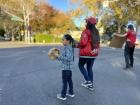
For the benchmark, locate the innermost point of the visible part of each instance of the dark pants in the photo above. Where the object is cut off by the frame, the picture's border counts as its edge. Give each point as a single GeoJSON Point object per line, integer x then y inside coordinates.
{"type": "Point", "coordinates": [128, 54]}
{"type": "Point", "coordinates": [87, 73]}
{"type": "Point", "coordinates": [67, 80]}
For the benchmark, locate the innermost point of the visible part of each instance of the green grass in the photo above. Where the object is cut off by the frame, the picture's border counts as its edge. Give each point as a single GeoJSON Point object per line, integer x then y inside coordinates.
{"type": "Point", "coordinates": [43, 38]}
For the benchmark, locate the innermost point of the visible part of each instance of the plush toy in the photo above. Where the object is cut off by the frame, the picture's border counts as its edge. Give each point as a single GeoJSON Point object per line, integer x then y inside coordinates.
{"type": "Point", "coordinates": [53, 53]}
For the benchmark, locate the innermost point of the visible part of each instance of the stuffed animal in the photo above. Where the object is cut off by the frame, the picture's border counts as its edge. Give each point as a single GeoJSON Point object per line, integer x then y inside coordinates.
{"type": "Point", "coordinates": [53, 53]}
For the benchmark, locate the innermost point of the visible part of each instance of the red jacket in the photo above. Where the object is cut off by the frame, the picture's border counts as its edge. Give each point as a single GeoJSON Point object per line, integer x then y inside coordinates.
{"type": "Point", "coordinates": [131, 35]}
{"type": "Point", "coordinates": [85, 45]}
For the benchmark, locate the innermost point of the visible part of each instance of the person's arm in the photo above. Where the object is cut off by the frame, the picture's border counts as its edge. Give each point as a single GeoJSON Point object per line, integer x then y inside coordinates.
{"type": "Point", "coordinates": [120, 35]}
{"type": "Point", "coordinates": [84, 40]}
{"type": "Point", "coordinates": [66, 56]}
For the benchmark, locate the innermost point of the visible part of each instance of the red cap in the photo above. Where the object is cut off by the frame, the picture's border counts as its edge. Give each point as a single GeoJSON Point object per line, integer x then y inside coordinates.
{"type": "Point", "coordinates": [91, 20]}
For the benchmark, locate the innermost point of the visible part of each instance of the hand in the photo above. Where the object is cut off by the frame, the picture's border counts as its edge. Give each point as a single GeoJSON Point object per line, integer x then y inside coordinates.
{"type": "Point", "coordinates": [76, 43]}
{"type": "Point", "coordinates": [94, 51]}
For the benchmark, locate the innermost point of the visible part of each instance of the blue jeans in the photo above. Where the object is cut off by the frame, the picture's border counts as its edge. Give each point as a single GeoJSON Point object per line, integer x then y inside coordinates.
{"type": "Point", "coordinates": [87, 72]}
{"type": "Point", "coordinates": [67, 80]}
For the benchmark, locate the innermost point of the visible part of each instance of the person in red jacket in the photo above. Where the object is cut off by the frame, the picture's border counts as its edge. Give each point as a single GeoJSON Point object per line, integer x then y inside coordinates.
{"type": "Point", "coordinates": [129, 46]}
{"type": "Point", "coordinates": [88, 51]}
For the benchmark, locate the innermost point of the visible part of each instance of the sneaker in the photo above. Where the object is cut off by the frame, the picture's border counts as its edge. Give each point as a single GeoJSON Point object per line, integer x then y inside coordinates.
{"type": "Point", "coordinates": [59, 96]}
{"type": "Point", "coordinates": [86, 83]}
{"type": "Point", "coordinates": [91, 87]}
{"type": "Point", "coordinates": [70, 95]}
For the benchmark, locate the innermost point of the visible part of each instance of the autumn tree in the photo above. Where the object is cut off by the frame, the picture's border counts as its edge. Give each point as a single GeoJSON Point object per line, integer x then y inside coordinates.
{"type": "Point", "coordinates": [8, 25]}
{"type": "Point", "coordinates": [19, 9]}
{"type": "Point", "coordinates": [46, 18]}
{"type": "Point", "coordinates": [87, 7]}
{"type": "Point", "coordinates": [133, 9]}
{"type": "Point", "coordinates": [41, 17]}
{"type": "Point", "coordinates": [124, 11]}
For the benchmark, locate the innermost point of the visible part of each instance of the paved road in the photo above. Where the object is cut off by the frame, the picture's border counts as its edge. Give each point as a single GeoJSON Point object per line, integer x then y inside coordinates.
{"type": "Point", "coordinates": [27, 77]}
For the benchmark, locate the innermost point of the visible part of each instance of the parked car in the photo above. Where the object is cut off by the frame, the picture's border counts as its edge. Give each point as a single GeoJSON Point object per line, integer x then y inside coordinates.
{"type": "Point", "coordinates": [7, 38]}
{"type": "Point", "coordinates": [2, 38]}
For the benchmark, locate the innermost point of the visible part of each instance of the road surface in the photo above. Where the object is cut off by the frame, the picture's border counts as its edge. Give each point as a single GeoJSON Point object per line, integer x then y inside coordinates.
{"type": "Point", "coordinates": [28, 77]}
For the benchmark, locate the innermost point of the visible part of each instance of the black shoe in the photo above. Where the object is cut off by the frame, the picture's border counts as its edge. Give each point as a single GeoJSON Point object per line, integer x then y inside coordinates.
{"type": "Point", "coordinates": [86, 83]}
{"type": "Point", "coordinates": [131, 66]}
{"type": "Point", "coordinates": [91, 87]}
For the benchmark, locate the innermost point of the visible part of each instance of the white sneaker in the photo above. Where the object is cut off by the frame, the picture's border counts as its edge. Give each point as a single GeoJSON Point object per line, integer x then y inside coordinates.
{"type": "Point", "coordinates": [70, 95]}
{"type": "Point", "coordinates": [86, 83]}
{"type": "Point", "coordinates": [59, 96]}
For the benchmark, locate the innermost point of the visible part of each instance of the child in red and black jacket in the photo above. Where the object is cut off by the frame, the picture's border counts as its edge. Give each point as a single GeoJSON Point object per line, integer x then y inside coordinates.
{"type": "Point", "coordinates": [129, 46]}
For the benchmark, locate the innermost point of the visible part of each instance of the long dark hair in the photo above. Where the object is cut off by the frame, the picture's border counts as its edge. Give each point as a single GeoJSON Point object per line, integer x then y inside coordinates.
{"type": "Point", "coordinates": [94, 33]}
{"type": "Point", "coordinates": [70, 39]}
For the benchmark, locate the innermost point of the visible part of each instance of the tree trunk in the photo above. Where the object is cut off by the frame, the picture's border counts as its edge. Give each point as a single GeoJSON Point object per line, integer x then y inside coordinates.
{"type": "Point", "coordinates": [25, 25]}
{"type": "Point", "coordinates": [119, 28]}
{"type": "Point", "coordinates": [13, 38]}
{"type": "Point", "coordinates": [28, 28]}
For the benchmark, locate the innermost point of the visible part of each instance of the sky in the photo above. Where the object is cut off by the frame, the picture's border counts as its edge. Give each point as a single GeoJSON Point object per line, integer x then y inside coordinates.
{"type": "Point", "coordinates": [59, 4]}
{"type": "Point", "coordinates": [64, 6]}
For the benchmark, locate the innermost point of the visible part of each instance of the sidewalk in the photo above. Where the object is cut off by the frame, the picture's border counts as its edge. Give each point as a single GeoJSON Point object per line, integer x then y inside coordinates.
{"type": "Point", "coordinates": [10, 44]}
{"type": "Point", "coordinates": [7, 44]}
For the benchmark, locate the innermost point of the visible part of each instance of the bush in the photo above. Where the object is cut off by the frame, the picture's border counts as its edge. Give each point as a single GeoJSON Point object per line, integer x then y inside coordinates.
{"type": "Point", "coordinates": [43, 38]}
